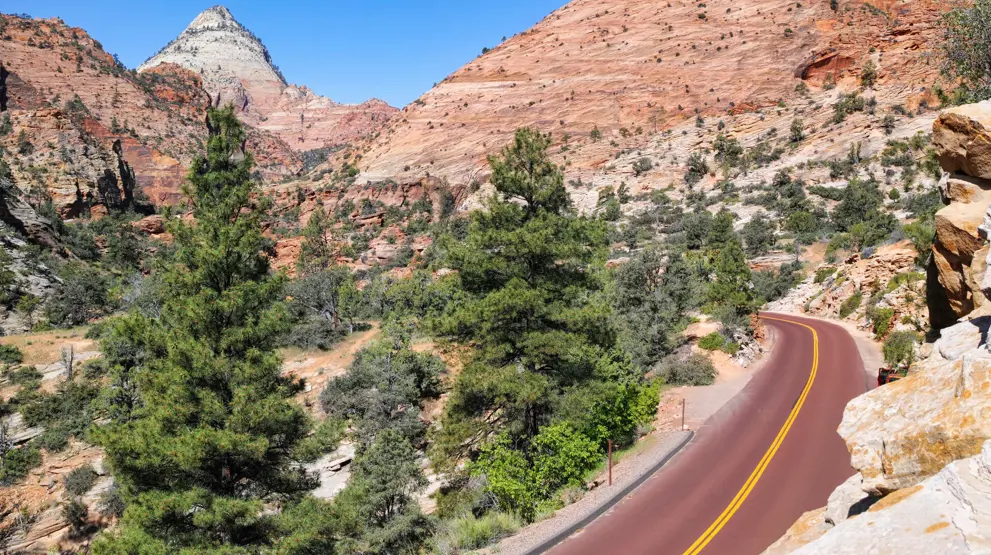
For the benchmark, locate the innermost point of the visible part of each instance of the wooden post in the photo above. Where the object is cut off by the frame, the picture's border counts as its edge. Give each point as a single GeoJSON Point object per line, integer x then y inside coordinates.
{"type": "Point", "coordinates": [610, 462]}
{"type": "Point", "coordinates": [682, 414]}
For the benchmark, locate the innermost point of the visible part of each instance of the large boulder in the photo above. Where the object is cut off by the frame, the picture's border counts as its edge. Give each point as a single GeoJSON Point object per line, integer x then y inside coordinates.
{"type": "Point", "coordinates": [957, 242]}
{"type": "Point", "coordinates": [947, 513]}
{"type": "Point", "coordinates": [907, 431]}
{"type": "Point", "coordinates": [962, 137]}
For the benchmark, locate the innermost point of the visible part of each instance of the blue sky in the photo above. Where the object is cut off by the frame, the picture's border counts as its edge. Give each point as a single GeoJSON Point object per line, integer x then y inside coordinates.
{"type": "Point", "coordinates": [348, 50]}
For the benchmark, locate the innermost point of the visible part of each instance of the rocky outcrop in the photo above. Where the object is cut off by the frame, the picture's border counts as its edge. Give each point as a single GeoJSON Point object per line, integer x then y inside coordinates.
{"type": "Point", "coordinates": [947, 513]}
{"type": "Point", "coordinates": [905, 432]}
{"type": "Point", "coordinates": [963, 145]}
{"type": "Point", "coordinates": [237, 68]}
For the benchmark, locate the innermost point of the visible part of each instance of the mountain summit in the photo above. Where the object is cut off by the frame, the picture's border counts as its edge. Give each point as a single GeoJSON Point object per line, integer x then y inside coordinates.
{"type": "Point", "coordinates": [231, 59]}
{"type": "Point", "coordinates": [236, 67]}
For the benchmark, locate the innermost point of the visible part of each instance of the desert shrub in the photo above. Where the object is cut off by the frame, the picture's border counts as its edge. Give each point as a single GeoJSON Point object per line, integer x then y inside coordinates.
{"type": "Point", "coordinates": [77, 515]}
{"type": "Point", "coordinates": [712, 342]}
{"type": "Point", "coordinates": [881, 320]}
{"type": "Point", "coordinates": [112, 502]}
{"type": "Point", "coordinates": [83, 294]}
{"type": "Point", "coordinates": [695, 370]}
{"type": "Point", "coordinates": [16, 463]}
{"type": "Point", "coordinates": [642, 166]}
{"type": "Point", "coordinates": [850, 305]}
{"type": "Point", "coordinates": [470, 532]}
{"type": "Point", "coordinates": [24, 375]}
{"type": "Point", "coordinates": [822, 274]}
{"type": "Point", "coordinates": [731, 348]}
{"type": "Point", "coordinates": [10, 354]}
{"type": "Point", "coordinates": [80, 480]}
{"type": "Point", "coordinates": [696, 169]}
{"type": "Point", "coordinates": [899, 348]}
{"type": "Point", "coordinates": [771, 285]}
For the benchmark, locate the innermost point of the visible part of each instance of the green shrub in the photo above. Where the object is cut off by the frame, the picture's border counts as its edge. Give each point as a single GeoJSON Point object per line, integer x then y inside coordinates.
{"type": "Point", "coordinates": [470, 532]}
{"type": "Point", "coordinates": [850, 305]}
{"type": "Point", "coordinates": [899, 348]}
{"type": "Point", "coordinates": [824, 273]}
{"type": "Point", "coordinates": [24, 375]}
{"type": "Point", "coordinates": [16, 463]}
{"type": "Point", "coordinates": [906, 277]}
{"type": "Point", "coordinates": [731, 348]}
{"type": "Point", "coordinates": [881, 320]}
{"type": "Point", "coordinates": [695, 370]}
{"type": "Point", "coordinates": [712, 342]}
{"type": "Point", "coordinates": [10, 354]}
{"type": "Point", "coordinates": [77, 515]}
{"type": "Point", "coordinates": [112, 503]}
{"type": "Point", "coordinates": [80, 480]}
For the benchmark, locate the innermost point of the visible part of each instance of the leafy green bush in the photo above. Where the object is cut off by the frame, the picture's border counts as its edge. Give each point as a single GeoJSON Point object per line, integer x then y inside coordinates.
{"type": "Point", "coordinates": [697, 369]}
{"type": "Point", "coordinates": [521, 482]}
{"type": "Point", "coordinates": [899, 348]}
{"type": "Point", "coordinates": [850, 305]}
{"type": "Point", "coordinates": [10, 354]}
{"type": "Point", "coordinates": [80, 480]}
{"type": "Point", "coordinates": [712, 342]}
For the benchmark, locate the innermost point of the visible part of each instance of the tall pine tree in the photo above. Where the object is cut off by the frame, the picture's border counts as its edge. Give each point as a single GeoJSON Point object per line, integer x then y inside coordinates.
{"type": "Point", "coordinates": [204, 442]}
{"type": "Point", "coordinates": [531, 274]}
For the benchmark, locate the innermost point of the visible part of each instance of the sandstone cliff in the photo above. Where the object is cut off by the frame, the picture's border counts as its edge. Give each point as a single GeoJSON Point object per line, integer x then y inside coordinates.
{"type": "Point", "coordinates": [627, 71]}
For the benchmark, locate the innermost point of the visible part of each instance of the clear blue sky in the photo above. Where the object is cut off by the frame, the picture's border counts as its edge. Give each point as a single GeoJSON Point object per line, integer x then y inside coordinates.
{"type": "Point", "coordinates": [348, 50]}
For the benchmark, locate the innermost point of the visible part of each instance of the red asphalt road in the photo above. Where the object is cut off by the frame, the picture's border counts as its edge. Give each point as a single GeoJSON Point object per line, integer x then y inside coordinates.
{"type": "Point", "coordinates": [674, 508]}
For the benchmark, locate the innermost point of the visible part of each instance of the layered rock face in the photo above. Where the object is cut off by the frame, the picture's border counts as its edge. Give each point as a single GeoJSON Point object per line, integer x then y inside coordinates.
{"type": "Point", "coordinates": [626, 70]}
{"type": "Point", "coordinates": [962, 136]}
{"type": "Point", "coordinates": [68, 102]}
{"type": "Point", "coordinates": [236, 67]}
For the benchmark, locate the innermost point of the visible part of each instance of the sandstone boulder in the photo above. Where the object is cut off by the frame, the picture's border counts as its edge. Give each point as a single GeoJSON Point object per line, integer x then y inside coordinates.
{"type": "Point", "coordinates": [900, 434]}
{"type": "Point", "coordinates": [151, 225]}
{"type": "Point", "coordinates": [962, 137]}
{"type": "Point", "coordinates": [957, 242]}
{"type": "Point", "coordinates": [964, 189]}
{"type": "Point", "coordinates": [947, 513]}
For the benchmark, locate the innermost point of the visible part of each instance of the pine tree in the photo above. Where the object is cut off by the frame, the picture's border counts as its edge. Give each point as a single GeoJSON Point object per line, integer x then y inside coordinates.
{"type": "Point", "coordinates": [208, 442]}
{"type": "Point", "coordinates": [316, 250]}
{"type": "Point", "coordinates": [533, 306]}
{"type": "Point", "coordinates": [731, 293]}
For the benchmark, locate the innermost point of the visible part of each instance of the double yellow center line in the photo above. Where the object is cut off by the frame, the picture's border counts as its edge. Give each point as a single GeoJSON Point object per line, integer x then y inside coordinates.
{"type": "Point", "coordinates": [755, 476]}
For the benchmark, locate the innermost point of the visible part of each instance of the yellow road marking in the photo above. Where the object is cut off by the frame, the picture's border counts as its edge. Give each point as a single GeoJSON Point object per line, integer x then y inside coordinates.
{"type": "Point", "coordinates": [755, 476]}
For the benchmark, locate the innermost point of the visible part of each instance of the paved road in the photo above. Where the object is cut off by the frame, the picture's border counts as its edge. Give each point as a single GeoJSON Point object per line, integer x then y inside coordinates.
{"type": "Point", "coordinates": [768, 456]}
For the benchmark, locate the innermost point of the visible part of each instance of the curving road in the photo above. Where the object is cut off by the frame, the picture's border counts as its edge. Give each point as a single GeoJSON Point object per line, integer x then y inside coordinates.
{"type": "Point", "coordinates": [771, 454]}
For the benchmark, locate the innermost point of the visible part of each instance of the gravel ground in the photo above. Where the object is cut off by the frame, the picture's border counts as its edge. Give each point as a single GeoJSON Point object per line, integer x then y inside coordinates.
{"type": "Point", "coordinates": [632, 467]}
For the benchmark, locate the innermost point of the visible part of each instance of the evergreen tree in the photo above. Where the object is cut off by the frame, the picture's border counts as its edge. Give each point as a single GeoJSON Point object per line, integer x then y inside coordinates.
{"type": "Point", "coordinates": [378, 510]}
{"type": "Point", "coordinates": [317, 249]}
{"type": "Point", "coordinates": [759, 235]}
{"type": "Point", "coordinates": [208, 442]}
{"type": "Point", "coordinates": [534, 305]}
{"type": "Point", "coordinates": [731, 293]}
